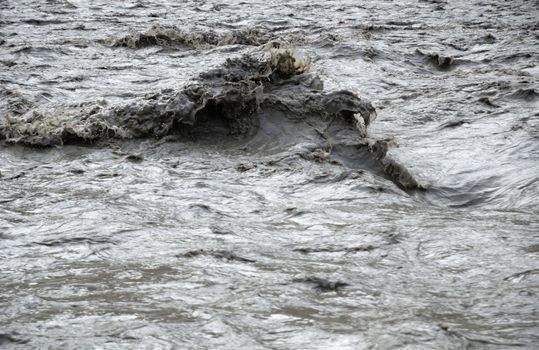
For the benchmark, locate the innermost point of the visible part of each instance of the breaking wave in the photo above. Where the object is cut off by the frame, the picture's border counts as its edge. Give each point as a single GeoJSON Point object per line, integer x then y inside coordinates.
{"type": "Point", "coordinates": [194, 38]}
{"type": "Point", "coordinates": [265, 99]}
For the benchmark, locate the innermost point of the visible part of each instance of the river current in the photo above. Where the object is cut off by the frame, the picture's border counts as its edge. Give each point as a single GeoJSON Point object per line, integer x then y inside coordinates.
{"type": "Point", "coordinates": [269, 174]}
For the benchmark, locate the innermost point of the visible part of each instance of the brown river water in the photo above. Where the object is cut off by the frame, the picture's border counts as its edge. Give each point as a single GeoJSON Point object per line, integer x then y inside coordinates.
{"type": "Point", "coordinates": [269, 174]}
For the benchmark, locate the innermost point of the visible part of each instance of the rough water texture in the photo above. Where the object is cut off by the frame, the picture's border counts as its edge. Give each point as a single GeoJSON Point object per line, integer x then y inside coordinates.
{"type": "Point", "coordinates": [202, 175]}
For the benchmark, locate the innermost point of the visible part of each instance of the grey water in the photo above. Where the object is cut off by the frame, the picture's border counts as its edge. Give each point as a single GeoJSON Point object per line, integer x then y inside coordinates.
{"type": "Point", "coordinates": [124, 224]}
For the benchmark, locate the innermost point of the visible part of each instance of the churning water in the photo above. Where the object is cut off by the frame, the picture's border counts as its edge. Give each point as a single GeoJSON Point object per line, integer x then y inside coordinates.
{"type": "Point", "coordinates": [269, 174]}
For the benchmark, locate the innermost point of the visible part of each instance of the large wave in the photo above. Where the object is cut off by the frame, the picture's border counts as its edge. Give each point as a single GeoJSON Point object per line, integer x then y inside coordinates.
{"type": "Point", "coordinates": [265, 100]}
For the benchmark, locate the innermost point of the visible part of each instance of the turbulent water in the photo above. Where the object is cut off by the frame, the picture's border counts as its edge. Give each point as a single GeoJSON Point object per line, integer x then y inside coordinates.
{"type": "Point", "coordinates": [269, 174]}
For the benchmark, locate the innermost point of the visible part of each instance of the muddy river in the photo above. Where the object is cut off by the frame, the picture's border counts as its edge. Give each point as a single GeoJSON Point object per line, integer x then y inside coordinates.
{"type": "Point", "coordinates": [269, 174]}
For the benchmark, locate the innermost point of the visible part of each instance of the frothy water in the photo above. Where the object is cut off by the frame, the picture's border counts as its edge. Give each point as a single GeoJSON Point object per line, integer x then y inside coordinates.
{"type": "Point", "coordinates": [280, 175]}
